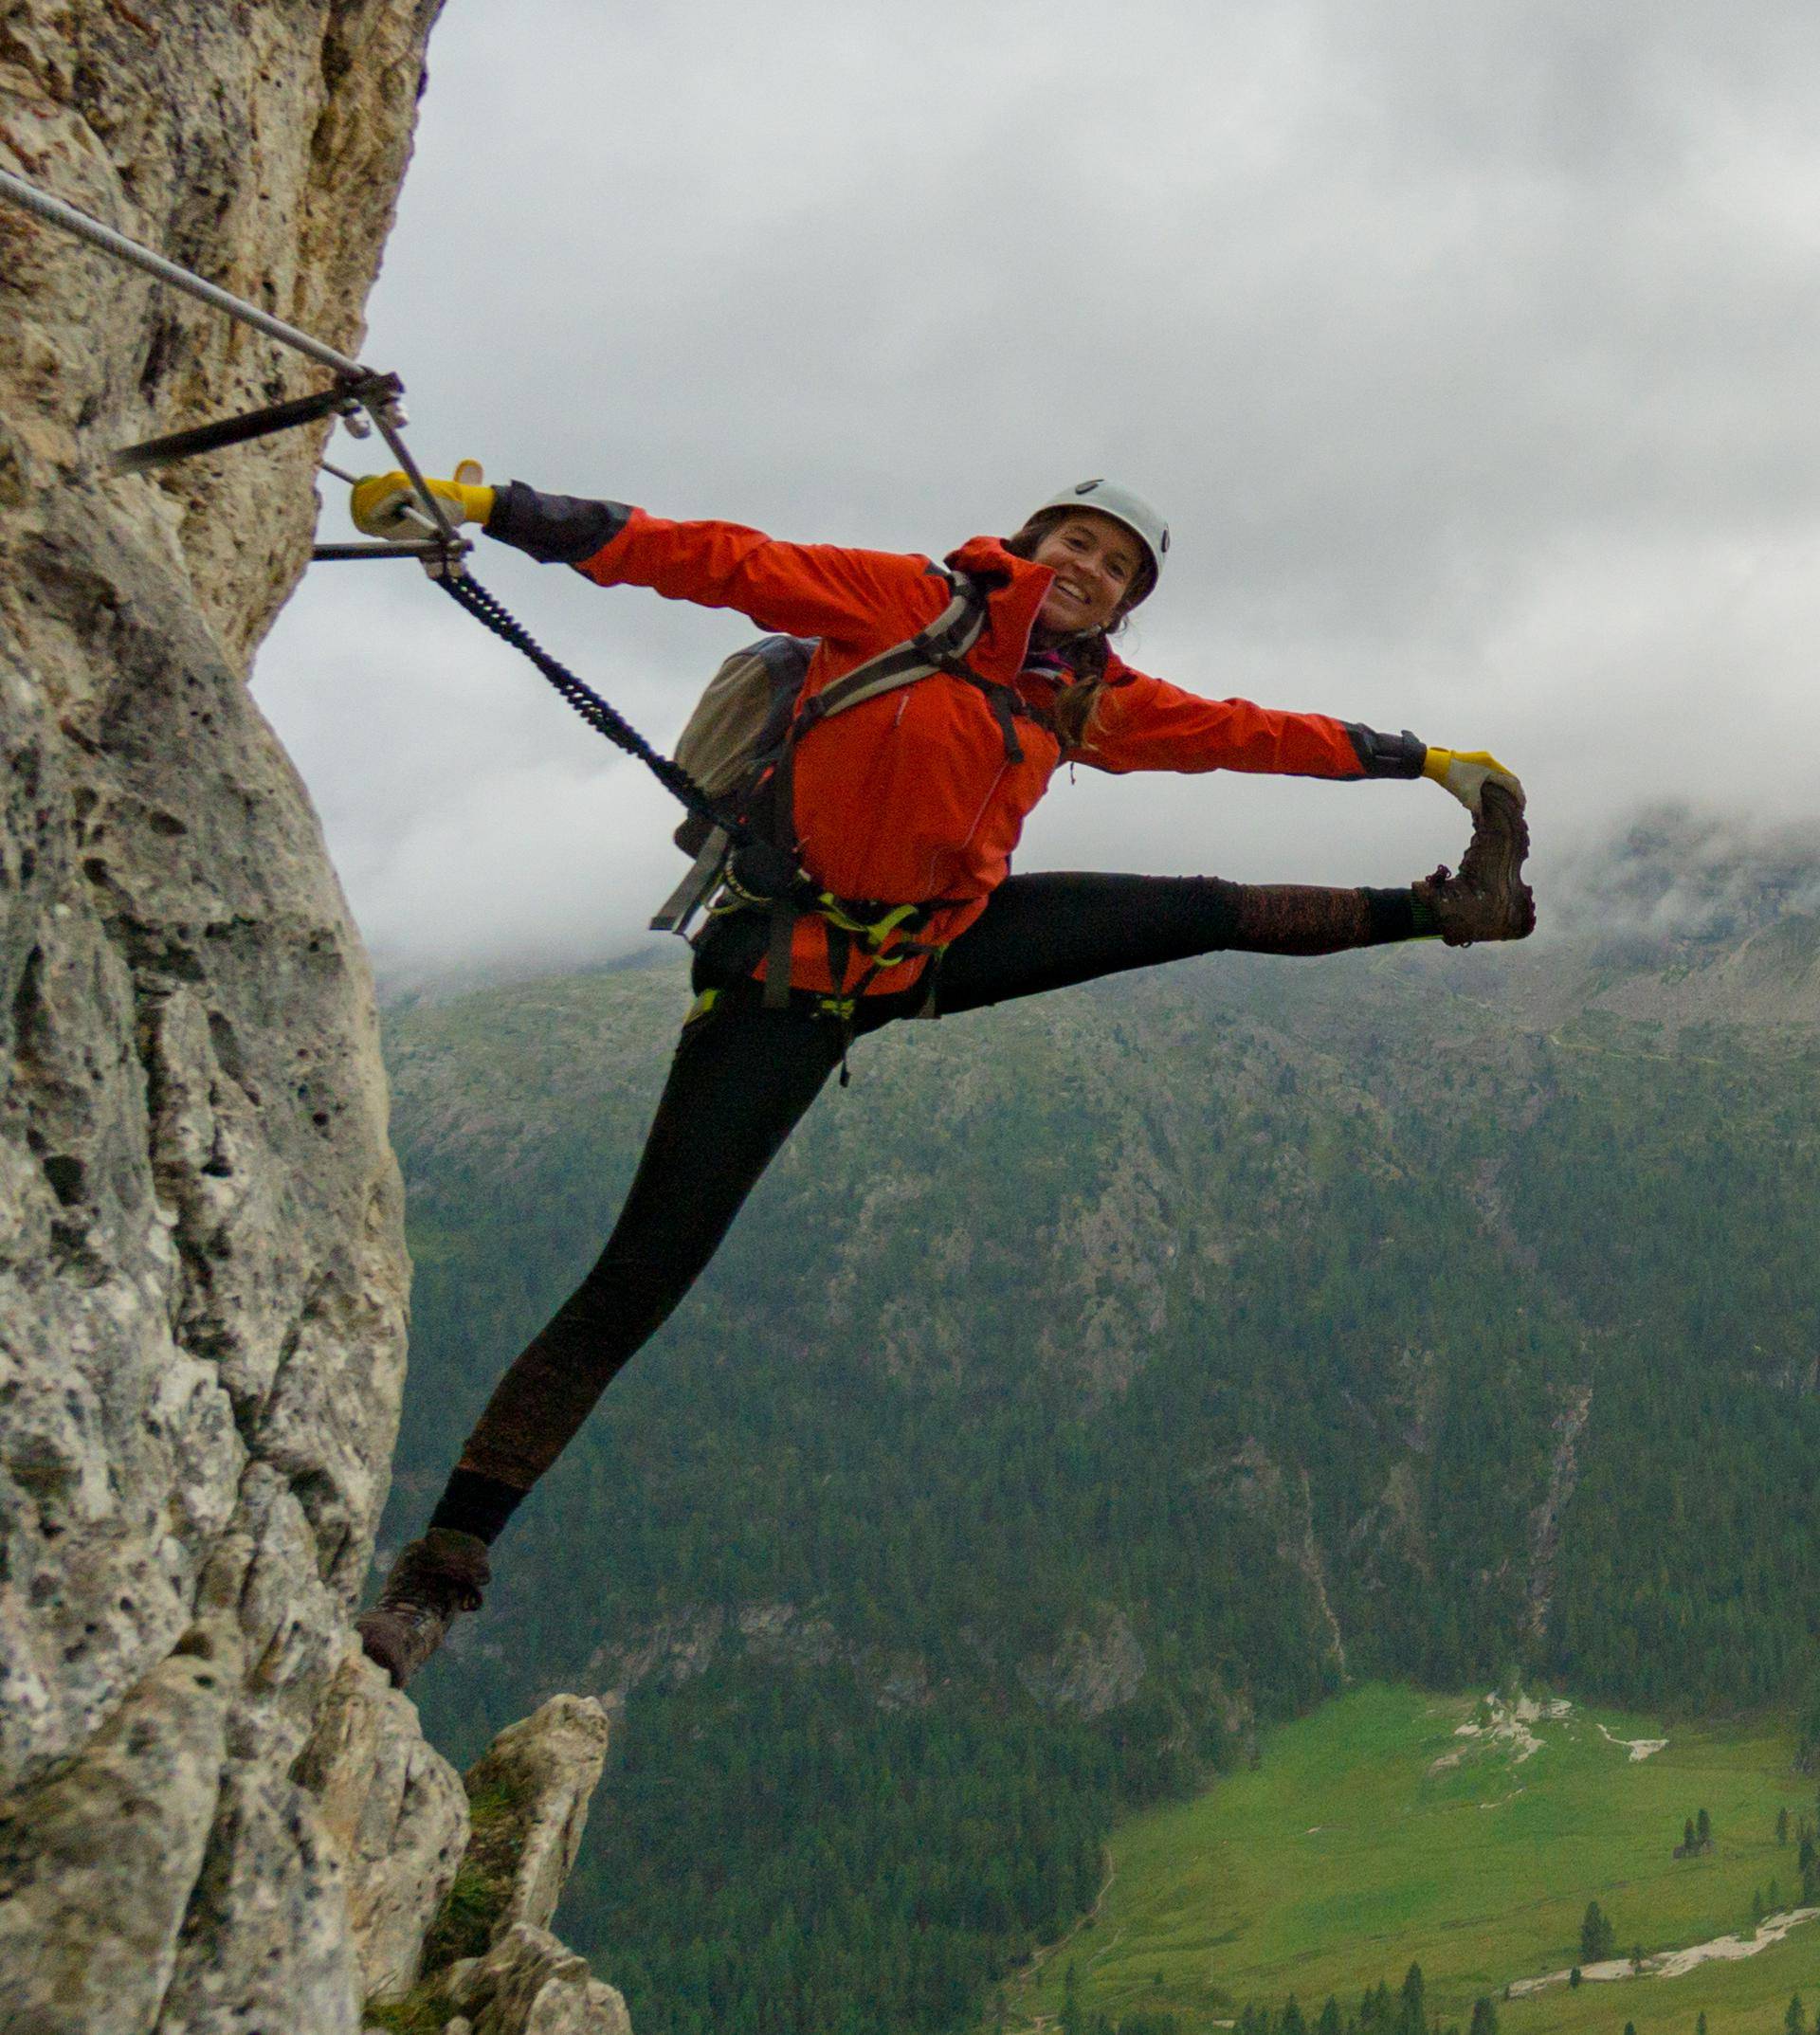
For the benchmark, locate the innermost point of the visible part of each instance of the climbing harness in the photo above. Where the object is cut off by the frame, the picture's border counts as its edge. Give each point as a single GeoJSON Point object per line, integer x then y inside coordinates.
{"type": "Point", "coordinates": [737, 825]}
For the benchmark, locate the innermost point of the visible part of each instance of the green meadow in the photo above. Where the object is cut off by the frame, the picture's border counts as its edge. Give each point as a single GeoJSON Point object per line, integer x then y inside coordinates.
{"type": "Point", "coordinates": [1372, 1833]}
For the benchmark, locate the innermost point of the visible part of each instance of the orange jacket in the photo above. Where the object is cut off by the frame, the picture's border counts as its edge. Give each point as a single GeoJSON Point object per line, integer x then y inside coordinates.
{"type": "Point", "coordinates": [911, 796]}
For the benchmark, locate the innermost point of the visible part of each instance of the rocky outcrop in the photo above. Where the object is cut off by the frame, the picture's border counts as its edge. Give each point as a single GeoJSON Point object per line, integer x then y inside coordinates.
{"type": "Point", "coordinates": [670, 1652]}
{"type": "Point", "coordinates": [1545, 1521]}
{"type": "Point", "coordinates": [1121, 1247]}
{"type": "Point", "coordinates": [528, 1982]}
{"type": "Point", "coordinates": [211, 1816]}
{"type": "Point", "coordinates": [1258, 1482]}
{"type": "Point", "coordinates": [490, 1960]}
{"type": "Point", "coordinates": [678, 1647]}
{"type": "Point", "coordinates": [1091, 1671]}
{"type": "Point", "coordinates": [530, 1793]}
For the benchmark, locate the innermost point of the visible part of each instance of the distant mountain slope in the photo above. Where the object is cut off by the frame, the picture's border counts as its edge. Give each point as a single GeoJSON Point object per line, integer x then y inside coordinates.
{"type": "Point", "coordinates": [1101, 1372]}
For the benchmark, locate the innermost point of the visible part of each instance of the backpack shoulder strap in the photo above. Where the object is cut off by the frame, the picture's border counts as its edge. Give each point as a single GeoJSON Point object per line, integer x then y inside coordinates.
{"type": "Point", "coordinates": [940, 647]}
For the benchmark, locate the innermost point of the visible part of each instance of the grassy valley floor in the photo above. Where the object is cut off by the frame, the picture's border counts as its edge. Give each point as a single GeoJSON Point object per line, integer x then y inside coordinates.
{"type": "Point", "coordinates": [1377, 1832]}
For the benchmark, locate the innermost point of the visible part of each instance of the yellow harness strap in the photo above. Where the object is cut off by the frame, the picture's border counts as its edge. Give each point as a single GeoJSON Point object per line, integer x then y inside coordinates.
{"type": "Point", "coordinates": [876, 933]}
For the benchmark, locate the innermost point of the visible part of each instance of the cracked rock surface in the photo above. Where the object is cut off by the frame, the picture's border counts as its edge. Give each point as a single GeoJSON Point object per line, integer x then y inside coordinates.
{"type": "Point", "coordinates": [528, 1982]}
{"type": "Point", "coordinates": [210, 1814]}
{"type": "Point", "coordinates": [398, 1812]}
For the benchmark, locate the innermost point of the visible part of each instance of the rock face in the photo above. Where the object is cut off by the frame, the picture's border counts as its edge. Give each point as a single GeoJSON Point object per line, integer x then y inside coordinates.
{"type": "Point", "coordinates": [396, 1810]}
{"type": "Point", "coordinates": [124, 1833]}
{"type": "Point", "coordinates": [209, 1817]}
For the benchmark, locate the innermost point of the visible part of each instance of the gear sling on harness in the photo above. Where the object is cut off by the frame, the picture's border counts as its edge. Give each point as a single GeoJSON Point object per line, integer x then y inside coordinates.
{"type": "Point", "coordinates": [733, 765]}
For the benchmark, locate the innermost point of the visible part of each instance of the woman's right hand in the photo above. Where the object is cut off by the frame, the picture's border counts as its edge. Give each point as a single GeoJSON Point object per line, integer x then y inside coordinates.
{"type": "Point", "coordinates": [1465, 772]}
{"type": "Point", "coordinates": [382, 503]}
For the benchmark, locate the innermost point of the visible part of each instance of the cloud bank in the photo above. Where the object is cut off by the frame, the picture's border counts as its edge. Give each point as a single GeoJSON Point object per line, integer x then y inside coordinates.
{"type": "Point", "coordinates": [1469, 353]}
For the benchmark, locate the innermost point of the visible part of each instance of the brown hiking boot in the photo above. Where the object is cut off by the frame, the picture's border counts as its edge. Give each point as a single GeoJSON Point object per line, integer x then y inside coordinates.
{"type": "Point", "coordinates": [431, 1581]}
{"type": "Point", "coordinates": [1488, 899]}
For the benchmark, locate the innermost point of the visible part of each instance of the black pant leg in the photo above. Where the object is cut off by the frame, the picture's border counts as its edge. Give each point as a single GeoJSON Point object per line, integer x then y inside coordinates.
{"type": "Point", "coordinates": [739, 1084]}
{"type": "Point", "coordinates": [1049, 931]}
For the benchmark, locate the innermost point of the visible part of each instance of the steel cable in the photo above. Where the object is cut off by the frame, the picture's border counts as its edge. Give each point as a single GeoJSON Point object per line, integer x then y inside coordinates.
{"type": "Point", "coordinates": [486, 608]}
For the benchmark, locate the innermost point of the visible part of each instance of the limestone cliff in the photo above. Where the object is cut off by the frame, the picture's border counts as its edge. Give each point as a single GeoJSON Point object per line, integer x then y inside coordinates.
{"type": "Point", "coordinates": [211, 1815]}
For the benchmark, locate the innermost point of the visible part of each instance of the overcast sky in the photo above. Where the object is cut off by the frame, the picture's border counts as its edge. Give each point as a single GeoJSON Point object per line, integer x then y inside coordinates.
{"type": "Point", "coordinates": [1472, 352]}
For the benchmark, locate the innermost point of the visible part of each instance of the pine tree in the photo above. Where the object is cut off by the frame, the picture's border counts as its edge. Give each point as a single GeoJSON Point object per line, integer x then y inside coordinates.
{"type": "Point", "coordinates": [1573, 1976]}
{"type": "Point", "coordinates": [1485, 2017]}
{"type": "Point", "coordinates": [1412, 2009]}
{"type": "Point", "coordinates": [1596, 1934]}
{"type": "Point", "coordinates": [1071, 2016]}
{"type": "Point", "coordinates": [1795, 2020]}
{"type": "Point", "coordinates": [1687, 1836]}
{"type": "Point", "coordinates": [1703, 1828]}
{"type": "Point", "coordinates": [1782, 1826]}
{"type": "Point", "coordinates": [1700, 2025]}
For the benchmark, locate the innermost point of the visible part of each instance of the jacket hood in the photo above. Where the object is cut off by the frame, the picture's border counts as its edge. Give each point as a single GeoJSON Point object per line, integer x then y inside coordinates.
{"type": "Point", "coordinates": [1019, 590]}
{"type": "Point", "coordinates": [1015, 609]}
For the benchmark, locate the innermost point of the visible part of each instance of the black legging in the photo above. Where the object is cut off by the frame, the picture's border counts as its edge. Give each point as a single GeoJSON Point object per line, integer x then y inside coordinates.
{"type": "Point", "coordinates": [743, 1077]}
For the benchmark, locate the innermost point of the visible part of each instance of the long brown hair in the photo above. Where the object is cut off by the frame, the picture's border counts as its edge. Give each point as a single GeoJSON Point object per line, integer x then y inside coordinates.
{"type": "Point", "coordinates": [1085, 656]}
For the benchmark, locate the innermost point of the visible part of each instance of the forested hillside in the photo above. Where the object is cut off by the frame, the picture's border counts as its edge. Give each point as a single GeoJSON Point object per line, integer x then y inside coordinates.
{"type": "Point", "coordinates": [1100, 1376]}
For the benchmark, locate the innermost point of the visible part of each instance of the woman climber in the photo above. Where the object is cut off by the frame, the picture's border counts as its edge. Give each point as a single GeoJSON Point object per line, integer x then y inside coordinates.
{"type": "Point", "coordinates": [915, 798]}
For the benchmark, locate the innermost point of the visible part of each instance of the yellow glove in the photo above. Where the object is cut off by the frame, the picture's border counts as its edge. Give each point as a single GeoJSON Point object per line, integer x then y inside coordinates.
{"type": "Point", "coordinates": [382, 503]}
{"type": "Point", "coordinates": [1467, 771]}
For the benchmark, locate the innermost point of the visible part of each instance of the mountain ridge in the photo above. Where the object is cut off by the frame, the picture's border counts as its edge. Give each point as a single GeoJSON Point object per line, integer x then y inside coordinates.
{"type": "Point", "coordinates": [1261, 1322]}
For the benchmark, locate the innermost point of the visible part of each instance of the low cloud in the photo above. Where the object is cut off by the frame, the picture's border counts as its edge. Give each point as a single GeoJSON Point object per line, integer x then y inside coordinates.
{"type": "Point", "coordinates": [1675, 874]}
{"type": "Point", "coordinates": [1469, 351]}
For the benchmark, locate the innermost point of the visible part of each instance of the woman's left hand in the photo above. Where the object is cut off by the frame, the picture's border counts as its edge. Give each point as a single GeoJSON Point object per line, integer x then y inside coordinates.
{"type": "Point", "coordinates": [1465, 772]}
{"type": "Point", "coordinates": [387, 505]}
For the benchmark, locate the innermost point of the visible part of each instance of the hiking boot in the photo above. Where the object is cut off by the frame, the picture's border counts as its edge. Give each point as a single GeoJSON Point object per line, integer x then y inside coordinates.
{"type": "Point", "coordinates": [433, 1579]}
{"type": "Point", "coordinates": [1488, 899]}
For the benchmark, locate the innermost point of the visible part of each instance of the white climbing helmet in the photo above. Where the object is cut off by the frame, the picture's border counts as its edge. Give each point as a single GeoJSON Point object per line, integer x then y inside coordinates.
{"type": "Point", "coordinates": [1108, 499]}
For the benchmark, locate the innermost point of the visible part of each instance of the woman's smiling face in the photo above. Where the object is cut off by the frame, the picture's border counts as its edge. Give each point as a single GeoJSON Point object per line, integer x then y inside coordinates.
{"type": "Point", "coordinates": [1096, 562]}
